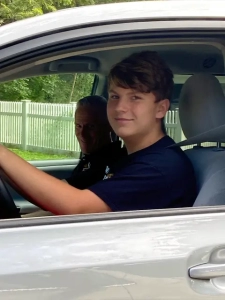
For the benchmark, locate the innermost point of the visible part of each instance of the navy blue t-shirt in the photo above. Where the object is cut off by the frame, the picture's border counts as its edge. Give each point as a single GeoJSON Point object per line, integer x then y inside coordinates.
{"type": "Point", "coordinates": [91, 167]}
{"type": "Point", "coordinates": [152, 178]}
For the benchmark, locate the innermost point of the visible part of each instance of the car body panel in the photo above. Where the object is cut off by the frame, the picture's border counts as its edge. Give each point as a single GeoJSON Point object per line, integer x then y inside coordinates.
{"type": "Point", "coordinates": [141, 258]}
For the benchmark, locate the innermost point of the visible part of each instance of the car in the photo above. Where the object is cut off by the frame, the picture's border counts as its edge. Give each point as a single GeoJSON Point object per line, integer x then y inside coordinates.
{"type": "Point", "coordinates": [155, 254]}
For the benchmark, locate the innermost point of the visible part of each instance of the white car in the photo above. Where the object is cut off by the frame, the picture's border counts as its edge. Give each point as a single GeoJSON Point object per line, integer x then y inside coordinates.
{"type": "Point", "coordinates": [139, 255]}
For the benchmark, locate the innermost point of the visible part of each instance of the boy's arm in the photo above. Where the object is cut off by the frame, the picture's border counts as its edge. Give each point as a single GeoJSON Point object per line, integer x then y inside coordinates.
{"type": "Point", "coordinates": [46, 191]}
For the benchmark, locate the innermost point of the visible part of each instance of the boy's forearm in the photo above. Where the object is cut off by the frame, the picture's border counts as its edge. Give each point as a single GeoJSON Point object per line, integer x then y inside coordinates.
{"type": "Point", "coordinates": [45, 191]}
{"type": "Point", "coordinates": [36, 186]}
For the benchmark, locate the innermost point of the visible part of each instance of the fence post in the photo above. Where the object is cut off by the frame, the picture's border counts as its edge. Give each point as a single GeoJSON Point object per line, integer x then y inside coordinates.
{"type": "Point", "coordinates": [25, 111]}
{"type": "Point", "coordinates": [178, 133]}
{"type": "Point", "coordinates": [74, 105]}
{"type": "Point", "coordinates": [1, 123]}
{"type": "Point", "coordinates": [76, 146]}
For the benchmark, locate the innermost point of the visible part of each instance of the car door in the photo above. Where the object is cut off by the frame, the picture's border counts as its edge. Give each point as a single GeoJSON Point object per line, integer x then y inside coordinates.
{"type": "Point", "coordinates": [165, 254]}
{"type": "Point", "coordinates": [142, 255]}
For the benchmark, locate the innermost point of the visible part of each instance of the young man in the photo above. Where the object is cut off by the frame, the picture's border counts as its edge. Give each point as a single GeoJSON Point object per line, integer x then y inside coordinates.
{"type": "Point", "coordinates": [152, 176]}
{"type": "Point", "coordinates": [94, 135]}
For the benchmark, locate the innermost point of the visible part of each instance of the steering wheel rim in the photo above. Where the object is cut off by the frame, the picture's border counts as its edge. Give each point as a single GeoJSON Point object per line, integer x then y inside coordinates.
{"type": "Point", "coordinates": [8, 209]}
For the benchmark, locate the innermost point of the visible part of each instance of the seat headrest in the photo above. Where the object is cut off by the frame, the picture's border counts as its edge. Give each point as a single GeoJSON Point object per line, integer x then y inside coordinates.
{"type": "Point", "coordinates": [202, 109]}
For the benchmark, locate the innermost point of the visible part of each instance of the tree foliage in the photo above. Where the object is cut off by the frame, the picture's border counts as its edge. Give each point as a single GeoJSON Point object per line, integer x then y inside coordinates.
{"type": "Point", "coordinates": [13, 10]}
{"type": "Point", "coordinates": [50, 89]}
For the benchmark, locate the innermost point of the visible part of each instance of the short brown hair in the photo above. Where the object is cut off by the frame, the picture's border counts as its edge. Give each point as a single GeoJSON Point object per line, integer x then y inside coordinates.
{"type": "Point", "coordinates": [145, 72]}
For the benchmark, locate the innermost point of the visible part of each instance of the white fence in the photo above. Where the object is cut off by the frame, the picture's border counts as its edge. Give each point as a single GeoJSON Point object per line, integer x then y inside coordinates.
{"type": "Point", "coordinates": [173, 127]}
{"type": "Point", "coordinates": [45, 127]}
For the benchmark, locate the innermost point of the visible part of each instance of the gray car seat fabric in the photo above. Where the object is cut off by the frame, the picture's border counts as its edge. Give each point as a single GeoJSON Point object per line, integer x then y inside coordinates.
{"type": "Point", "coordinates": [209, 166]}
{"type": "Point", "coordinates": [201, 105]}
{"type": "Point", "coordinates": [202, 117]}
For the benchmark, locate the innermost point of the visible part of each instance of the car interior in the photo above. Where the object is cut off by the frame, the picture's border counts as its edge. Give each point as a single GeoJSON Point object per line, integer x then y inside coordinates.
{"type": "Point", "coordinates": [198, 67]}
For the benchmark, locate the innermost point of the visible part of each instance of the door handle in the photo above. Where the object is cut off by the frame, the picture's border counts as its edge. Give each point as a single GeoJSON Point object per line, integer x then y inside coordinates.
{"type": "Point", "coordinates": [207, 271]}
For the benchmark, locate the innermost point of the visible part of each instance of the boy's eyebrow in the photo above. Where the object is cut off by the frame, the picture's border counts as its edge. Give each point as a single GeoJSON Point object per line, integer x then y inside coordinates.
{"type": "Point", "coordinates": [132, 92]}
{"type": "Point", "coordinates": [112, 91]}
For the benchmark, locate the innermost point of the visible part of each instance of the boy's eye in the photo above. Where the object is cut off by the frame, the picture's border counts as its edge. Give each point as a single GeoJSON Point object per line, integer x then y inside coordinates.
{"type": "Point", "coordinates": [77, 126]}
{"type": "Point", "coordinates": [135, 97]}
{"type": "Point", "coordinates": [113, 97]}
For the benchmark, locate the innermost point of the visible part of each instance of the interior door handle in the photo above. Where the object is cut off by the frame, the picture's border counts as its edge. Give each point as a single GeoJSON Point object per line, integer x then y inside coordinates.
{"type": "Point", "coordinates": [207, 271]}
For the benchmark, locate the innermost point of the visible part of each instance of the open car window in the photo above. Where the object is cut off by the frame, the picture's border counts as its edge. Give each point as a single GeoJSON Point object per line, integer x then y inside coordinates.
{"type": "Point", "coordinates": [37, 115]}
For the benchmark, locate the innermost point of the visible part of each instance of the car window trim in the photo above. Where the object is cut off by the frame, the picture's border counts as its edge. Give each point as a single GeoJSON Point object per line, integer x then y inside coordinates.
{"type": "Point", "coordinates": [77, 48]}
{"type": "Point", "coordinates": [120, 22]}
{"type": "Point", "coordinates": [112, 216]}
{"type": "Point", "coordinates": [7, 52]}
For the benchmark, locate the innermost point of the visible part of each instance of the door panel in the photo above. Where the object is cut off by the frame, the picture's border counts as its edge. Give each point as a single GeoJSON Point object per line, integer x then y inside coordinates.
{"type": "Point", "coordinates": [135, 258]}
{"type": "Point", "coordinates": [60, 169]}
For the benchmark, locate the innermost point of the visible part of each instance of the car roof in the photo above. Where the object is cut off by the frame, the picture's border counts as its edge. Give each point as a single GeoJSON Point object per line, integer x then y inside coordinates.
{"type": "Point", "coordinates": [108, 14]}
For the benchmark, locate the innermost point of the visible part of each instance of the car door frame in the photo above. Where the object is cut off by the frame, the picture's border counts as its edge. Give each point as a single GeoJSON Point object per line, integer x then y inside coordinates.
{"type": "Point", "coordinates": [10, 57]}
{"type": "Point", "coordinates": [142, 250]}
{"type": "Point", "coordinates": [76, 257]}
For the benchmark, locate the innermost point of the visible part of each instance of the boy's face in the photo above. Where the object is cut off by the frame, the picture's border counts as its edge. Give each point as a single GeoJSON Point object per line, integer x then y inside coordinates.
{"type": "Point", "coordinates": [133, 114]}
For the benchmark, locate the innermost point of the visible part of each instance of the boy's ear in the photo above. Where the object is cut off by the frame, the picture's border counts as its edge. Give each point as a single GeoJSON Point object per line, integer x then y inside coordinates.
{"type": "Point", "coordinates": [163, 107]}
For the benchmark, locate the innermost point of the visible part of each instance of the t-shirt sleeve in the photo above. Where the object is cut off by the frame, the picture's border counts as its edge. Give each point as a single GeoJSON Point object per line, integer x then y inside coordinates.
{"type": "Point", "coordinates": [138, 186]}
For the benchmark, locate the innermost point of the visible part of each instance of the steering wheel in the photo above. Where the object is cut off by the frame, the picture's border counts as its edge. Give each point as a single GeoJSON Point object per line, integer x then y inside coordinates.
{"type": "Point", "coordinates": [8, 209]}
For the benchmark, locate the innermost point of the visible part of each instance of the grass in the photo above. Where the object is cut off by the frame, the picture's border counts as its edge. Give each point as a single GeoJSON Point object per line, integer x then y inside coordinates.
{"type": "Point", "coordinates": [29, 155]}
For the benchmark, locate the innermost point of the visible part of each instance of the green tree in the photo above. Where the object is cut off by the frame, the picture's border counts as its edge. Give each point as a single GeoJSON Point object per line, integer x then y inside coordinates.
{"type": "Point", "coordinates": [13, 10]}
{"type": "Point", "coordinates": [51, 89]}
{"type": "Point", "coordinates": [15, 90]}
